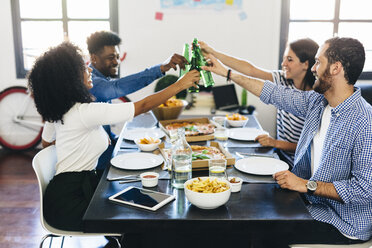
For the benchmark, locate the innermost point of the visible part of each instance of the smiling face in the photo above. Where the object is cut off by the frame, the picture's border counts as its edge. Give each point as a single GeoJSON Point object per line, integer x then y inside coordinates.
{"type": "Point", "coordinates": [107, 61]}
{"type": "Point", "coordinates": [292, 67]}
{"type": "Point", "coordinates": [321, 71]}
{"type": "Point", "coordinates": [88, 77]}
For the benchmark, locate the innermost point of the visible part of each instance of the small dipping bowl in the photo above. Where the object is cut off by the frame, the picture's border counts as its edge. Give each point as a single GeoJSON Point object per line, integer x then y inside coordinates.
{"type": "Point", "coordinates": [236, 187]}
{"type": "Point", "coordinates": [149, 179]}
{"type": "Point", "coordinates": [147, 147]}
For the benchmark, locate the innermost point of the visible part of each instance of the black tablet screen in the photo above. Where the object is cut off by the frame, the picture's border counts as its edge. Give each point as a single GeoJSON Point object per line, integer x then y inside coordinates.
{"type": "Point", "coordinates": [142, 197]}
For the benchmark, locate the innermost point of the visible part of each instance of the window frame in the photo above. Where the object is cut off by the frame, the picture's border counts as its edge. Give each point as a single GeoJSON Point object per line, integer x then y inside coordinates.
{"type": "Point", "coordinates": [21, 72]}
{"type": "Point", "coordinates": [284, 30]}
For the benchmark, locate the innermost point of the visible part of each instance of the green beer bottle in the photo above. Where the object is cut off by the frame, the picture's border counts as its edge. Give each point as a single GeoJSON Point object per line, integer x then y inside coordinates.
{"type": "Point", "coordinates": [186, 54]}
{"type": "Point", "coordinates": [193, 65]}
{"type": "Point", "coordinates": [205, 75]}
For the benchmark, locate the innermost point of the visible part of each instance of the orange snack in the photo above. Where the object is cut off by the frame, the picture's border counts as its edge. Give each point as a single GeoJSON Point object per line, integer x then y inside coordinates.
{"type": "Point", "coordinates": [236, 117]}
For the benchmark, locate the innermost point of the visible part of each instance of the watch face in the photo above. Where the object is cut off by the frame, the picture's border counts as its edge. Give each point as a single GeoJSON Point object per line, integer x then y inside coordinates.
{"type": "Point", "coordinates": [311, 185]}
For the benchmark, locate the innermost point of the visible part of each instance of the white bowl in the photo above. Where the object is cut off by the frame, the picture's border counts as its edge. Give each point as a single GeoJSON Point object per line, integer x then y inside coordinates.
{"type": "Point", "coordinates": [207, 200]}
{"type": "Point", "coordinates": [236, 187]}
{"type": "Point", "coordinates": [149, 179]}
{"type": "Point", "coordinates": [239, 123]}
{"type": "Point", "coordinates": [147, 147]}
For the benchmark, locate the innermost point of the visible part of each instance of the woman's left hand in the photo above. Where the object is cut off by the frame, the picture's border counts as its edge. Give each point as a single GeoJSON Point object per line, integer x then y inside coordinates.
{"type": "Point", "coordinates": [214, 66]}
{"type": "Point", "coordinates": [266, 140]}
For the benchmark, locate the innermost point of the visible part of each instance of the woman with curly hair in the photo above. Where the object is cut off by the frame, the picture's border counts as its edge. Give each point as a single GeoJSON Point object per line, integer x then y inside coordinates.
{"type": "Point", "coordinates": [60, 83]}
{"type": "Point", "coordinates": [298, 58]}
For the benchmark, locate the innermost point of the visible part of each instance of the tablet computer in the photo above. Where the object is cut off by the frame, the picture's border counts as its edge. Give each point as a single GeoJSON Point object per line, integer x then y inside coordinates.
{"type": "Point", "coordinates": [142, 198]}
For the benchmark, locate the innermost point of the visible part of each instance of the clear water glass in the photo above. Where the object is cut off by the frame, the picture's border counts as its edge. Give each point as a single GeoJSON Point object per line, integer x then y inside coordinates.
{"type": "Point", "coordinates": [217, 168]}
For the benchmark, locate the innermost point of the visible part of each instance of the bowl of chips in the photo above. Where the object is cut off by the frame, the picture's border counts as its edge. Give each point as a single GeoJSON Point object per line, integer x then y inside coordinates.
{"type": "Point", "coordinates": [169, 110]}
{"type": "Point", "coordinates": [236, 120]}
{"type": "Point", "coordinates": [207, 192]}
{"type": "Point", "coordinates": [147, 144]}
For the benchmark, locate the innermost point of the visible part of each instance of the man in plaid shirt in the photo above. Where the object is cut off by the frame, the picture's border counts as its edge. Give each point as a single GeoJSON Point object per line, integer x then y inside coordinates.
{"type": "Point", "coordinates": [333, 160]}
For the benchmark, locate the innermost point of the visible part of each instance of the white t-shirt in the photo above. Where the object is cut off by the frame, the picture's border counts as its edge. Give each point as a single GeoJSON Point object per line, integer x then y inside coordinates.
{"type": "Point", "coordinates": [80, 140]}
{"type": "Point", "coordinates": [318, 141]}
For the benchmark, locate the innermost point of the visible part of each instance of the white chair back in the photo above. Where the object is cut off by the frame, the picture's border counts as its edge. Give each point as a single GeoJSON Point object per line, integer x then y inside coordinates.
{"type": "Point", "coordinates": [44, 165]}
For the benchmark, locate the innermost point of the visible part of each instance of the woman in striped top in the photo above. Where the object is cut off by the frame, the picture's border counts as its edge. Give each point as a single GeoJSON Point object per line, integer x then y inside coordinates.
{"type": "Point", "coordinates": [298, 58]}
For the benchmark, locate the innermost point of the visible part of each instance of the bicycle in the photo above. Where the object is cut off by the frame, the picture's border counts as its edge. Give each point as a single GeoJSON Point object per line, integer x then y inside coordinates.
{"type": "Point", "coordinates": [20, 124]}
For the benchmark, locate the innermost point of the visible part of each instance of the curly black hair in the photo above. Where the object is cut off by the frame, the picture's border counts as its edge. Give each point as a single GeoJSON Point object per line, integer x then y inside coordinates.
{"type": "Point", "coordinates": [350, 53]}
{"type": "Point", "coordinates": [98, 40]}
{"type": "Point", "coordinates": [57, 81]}
{"type": "Point", "coordinates": [305, 49]}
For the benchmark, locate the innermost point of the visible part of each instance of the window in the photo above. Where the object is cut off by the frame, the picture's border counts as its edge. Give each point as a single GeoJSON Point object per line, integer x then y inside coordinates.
{"type": "Point", "coordinates": [323, 19]}
{"type": "Point", "coordinates": [39, 24]}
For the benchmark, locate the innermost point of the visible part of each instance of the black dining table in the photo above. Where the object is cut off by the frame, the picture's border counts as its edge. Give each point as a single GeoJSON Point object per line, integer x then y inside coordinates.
{"type": "Point", "coordinates": [259, 208]}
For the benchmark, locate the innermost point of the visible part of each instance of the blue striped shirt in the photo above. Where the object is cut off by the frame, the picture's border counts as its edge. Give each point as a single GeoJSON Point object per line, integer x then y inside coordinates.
{"type": "Point", "coordinates": [346, 158]}
{"type": "Point", "coordinates": [288, 126]}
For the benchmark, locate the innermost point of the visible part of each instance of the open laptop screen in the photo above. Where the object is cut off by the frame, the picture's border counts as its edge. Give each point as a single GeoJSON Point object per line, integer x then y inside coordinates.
{"type": "Point", "coordinates": [225, 97]}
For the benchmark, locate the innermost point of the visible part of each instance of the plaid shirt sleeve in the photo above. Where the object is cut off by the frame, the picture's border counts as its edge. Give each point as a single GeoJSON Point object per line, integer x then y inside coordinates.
{"type": "Point", "coordinates": [285, 98]}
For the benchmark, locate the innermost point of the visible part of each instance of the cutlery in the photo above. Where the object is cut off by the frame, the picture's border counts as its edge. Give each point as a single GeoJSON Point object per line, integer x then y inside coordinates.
{"type": "Point", "coordinates": [244, 154]}
{"type": "Point", "coordinates": [129, 181]}
{"type": "Point", "coordinates": [128, 177]}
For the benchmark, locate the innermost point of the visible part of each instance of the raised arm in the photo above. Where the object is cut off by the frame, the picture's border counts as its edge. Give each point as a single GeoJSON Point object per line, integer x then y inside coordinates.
{"type": "Point", "coordinates": [251, 84]}
{"type": "Point", "coordinates": [240, 65]}
{"type": "Point", "coordinates": [160, 97]}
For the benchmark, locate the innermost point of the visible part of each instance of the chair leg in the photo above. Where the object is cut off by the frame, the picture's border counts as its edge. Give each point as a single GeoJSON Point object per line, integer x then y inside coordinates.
{"type": "Point", "coordinates": [45, 237]}
{"type": "Point", "coordinates": [117, 242]}
{"type": "Point", "coordinates": [63, 239]}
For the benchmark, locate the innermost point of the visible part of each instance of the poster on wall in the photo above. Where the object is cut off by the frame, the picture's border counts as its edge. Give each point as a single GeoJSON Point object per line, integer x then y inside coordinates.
{"type": "Point", "coordinates": [201, 4]}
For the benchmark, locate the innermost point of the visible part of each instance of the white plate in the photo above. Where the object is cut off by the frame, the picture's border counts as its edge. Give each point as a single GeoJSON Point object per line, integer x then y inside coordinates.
{"type": "Point", "coordinates": [261, 165]}
{"type": "Point", "coordinates": [137, 161]}
{"type": "Point", "coordinates": [132, 134]}
{"type": "Point", "coordinates": [247, 134]}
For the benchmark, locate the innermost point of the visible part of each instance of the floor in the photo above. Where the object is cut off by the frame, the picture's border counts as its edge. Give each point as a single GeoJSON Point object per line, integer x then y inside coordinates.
{"type": "Point", "coordinates": [19, 206]}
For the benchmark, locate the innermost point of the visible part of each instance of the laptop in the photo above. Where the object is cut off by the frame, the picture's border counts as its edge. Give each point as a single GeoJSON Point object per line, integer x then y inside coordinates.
{"type": "Point", "coordinates": [225, 97]}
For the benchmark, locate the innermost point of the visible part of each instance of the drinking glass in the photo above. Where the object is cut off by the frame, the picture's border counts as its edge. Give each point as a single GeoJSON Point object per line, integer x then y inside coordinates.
{"type": "Point", "coordinates": [217, 168]}
{"type": "Point", "coordinates": [221, 133]}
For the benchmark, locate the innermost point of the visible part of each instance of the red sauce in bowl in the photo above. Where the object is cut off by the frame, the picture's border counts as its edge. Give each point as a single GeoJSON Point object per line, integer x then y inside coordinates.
{"type": "Point", "coordinates": [149, 176]}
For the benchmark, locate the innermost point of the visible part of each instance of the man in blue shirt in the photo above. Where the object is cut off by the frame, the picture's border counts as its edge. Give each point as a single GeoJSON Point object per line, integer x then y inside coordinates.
{"type": "Point", "coordinates": [333, 160]}
{"type": "Point", "coordinates": [103, 47]}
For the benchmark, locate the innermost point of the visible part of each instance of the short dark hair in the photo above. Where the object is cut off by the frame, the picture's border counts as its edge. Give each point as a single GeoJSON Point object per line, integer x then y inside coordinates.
{"type": "Point", "coordinates": [350, 53]}
{"type": "Point", "coordinates": [98, 40]}
{"type": "Point", "coordinates": [305, 50]}
{"type": "Point", "coordinates": [57, 81]}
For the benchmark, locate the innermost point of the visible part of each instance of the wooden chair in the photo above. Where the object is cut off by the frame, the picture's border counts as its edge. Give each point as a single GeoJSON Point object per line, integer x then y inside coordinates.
{"type": "Point", "coordinates": [44, 166]}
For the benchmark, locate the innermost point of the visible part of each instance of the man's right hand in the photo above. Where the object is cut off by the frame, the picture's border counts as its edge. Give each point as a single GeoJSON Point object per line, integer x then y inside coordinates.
{"type": "Point", "coordinates": [172, 62]}
{"type": "Point", "coordinates": [205, 48]}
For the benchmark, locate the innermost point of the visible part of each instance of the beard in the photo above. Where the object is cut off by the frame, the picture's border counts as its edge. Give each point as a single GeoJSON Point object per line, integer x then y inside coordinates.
{"type": "Point", "coordinates": [323, 83]}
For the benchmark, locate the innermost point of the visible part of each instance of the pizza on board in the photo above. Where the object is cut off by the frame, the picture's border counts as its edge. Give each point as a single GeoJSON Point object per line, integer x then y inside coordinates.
{"type": "Point", "coordinates": [192, 128]}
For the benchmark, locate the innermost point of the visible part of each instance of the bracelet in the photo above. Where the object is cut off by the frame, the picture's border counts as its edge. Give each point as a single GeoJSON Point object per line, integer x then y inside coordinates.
{"type": "Point", "coordinates": [228, 75]}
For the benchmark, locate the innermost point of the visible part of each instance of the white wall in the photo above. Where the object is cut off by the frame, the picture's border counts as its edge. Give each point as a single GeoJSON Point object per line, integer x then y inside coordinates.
{"type": "Point", "coordinates": [148, 41]}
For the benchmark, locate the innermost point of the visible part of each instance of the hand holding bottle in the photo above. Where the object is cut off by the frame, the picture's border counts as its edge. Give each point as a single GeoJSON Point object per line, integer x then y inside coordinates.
{"type": "Point", "coordinates": [215, 66]}
{"type": "Point", "coordinates": [206, 50]}
{"type": "Point", "coordinates": [188, 80]}
{"type": "Point", "coordinates": [172, 62]}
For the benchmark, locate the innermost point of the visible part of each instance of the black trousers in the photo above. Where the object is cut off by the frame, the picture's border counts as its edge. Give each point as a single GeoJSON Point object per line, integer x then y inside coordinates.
{"type": "Point", "coordinates": [67, 197]}
{"type": "Point", "coordinates": [321, 233]}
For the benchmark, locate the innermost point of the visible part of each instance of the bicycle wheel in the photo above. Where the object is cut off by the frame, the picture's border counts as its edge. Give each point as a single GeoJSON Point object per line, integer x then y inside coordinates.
{"type": "Point", "coordinates": [20, 123]}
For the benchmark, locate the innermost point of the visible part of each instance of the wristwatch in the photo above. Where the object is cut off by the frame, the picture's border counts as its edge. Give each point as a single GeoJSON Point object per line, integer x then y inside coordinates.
{"type": "Point", "coordinates": [311, 187]}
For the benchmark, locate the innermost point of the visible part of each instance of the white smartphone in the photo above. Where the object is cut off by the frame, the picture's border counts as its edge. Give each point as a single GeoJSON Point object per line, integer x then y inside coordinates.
{"type": "Point", "coordinates": [142, 198]}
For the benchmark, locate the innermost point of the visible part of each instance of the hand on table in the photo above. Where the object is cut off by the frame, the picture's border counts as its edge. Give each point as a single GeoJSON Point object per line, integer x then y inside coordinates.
{"type": "Point", "coordinates": [266, 140]}
{"type": "Point", "coordinates": [288, 180]}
